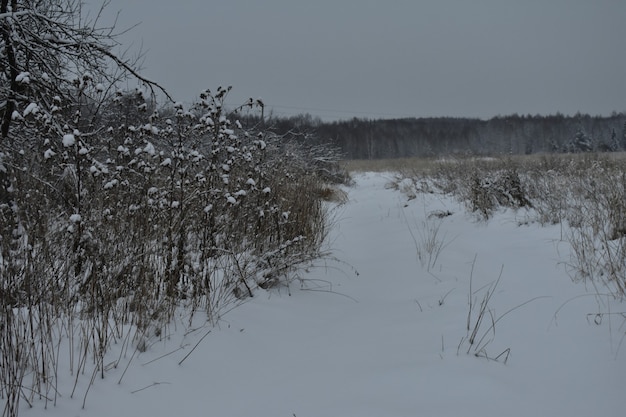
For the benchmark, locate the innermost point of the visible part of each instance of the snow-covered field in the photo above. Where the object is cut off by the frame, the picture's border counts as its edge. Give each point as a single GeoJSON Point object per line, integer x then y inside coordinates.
{"type": "Point", "coordinates": [381, 334]}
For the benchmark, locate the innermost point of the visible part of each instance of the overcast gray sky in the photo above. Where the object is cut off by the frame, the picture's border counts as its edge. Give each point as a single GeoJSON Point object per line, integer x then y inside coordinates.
{"type": "Point", "coordinates": [392, 58]}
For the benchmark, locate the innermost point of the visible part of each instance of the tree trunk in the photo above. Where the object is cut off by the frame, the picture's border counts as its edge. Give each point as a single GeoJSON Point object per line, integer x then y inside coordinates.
{"type": "Point", "coordinates": [6, 37]}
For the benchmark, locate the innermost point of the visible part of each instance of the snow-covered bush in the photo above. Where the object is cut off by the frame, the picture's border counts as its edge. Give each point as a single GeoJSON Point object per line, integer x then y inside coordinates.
{"type": "Point", "coordinates": [141, 216]}
{"type": "Point", "coordinates": [114, 214]}
{"type": "Point", "coordinates": [488, 190]}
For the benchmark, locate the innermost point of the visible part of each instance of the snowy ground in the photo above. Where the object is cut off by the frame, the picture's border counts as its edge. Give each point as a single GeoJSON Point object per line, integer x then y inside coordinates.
{"type": "Point", "coordinates": [392, 339]}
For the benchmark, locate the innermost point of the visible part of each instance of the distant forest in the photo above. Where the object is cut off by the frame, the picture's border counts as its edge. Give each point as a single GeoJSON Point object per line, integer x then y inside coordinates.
{"type": "Point", "coordinates": [431, 137]}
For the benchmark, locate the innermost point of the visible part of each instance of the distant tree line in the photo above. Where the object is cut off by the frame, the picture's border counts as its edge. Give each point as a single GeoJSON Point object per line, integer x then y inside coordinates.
{"type": "Point", "coordinates": [431, 137]}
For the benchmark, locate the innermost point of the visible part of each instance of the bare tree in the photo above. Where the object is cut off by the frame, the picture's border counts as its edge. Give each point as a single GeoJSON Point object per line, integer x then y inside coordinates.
{"type": "Point", "coordinates": [54, 56]}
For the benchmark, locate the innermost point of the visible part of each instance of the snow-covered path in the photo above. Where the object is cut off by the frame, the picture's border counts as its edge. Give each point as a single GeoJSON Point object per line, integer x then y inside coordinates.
{"type": "Point", "coordinates": [390, 340]}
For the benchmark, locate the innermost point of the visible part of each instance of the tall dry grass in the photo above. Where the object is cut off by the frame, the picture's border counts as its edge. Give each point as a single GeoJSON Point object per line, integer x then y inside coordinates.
{"type": "Point", "coordinates": [584, 192]}
{"type": "Point", "coordinates": [106, 238]}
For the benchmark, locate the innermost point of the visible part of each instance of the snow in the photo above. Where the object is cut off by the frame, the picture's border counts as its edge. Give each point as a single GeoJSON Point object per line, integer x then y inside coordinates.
{"type": "Point", "coordinates": [31, 108]}
{"type": "Point", "coordinates": [69, 140]}
{"type": "Point", "coordinates": [111, 184]}
{"type": "Point", "coordinates": [49, 153]}
{"type": "Point", "coordinates": [23, 78]}
{"type": "Point", "coordinates": [378, 334]}
{"type": "Point", "coordinates": [149, 149]}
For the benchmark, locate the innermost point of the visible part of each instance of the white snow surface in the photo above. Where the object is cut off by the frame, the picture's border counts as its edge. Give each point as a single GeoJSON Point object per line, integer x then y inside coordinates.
{"type": "Point", "coordinates": [385, 341]}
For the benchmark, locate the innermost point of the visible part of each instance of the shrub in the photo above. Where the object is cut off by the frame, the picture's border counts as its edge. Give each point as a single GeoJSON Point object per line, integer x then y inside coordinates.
{"type": "Point", "coordinates": [106, 233]}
